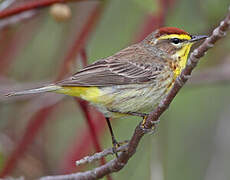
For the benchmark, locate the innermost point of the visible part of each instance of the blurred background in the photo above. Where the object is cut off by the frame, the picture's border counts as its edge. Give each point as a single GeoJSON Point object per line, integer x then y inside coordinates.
{"type": "Point", "coordinates": [42, 42]}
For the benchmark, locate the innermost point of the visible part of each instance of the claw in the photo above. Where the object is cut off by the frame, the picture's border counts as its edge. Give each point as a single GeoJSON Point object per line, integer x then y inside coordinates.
{"type": "Point", "coordinates": [116, 146]}
{"type": "Point", "coordinates": [151, 130]}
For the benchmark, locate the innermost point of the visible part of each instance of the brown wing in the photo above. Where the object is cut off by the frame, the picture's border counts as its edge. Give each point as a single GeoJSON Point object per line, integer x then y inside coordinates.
{"type": "Point", "coordinates": [122, 68]}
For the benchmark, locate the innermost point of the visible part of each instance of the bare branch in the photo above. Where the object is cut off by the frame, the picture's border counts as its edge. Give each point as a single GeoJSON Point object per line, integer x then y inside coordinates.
{"type": "Point", "coordinates": [99, 155]}
{"type": "Point", "coordinates": [40, 116]}
{"type": "Point", "coordinates": [30, 5]}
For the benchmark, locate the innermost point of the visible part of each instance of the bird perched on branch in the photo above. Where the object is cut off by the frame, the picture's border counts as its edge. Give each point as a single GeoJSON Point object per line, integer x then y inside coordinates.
{"type": "Point", "coordinates": [132, 81]}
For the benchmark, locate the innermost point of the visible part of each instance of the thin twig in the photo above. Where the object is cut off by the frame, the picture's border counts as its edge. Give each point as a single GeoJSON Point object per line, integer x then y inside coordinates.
{"type": "Point", "coordinates": [81, 39]}
{"type": "Point", "coordinates": [30, 5]}
{"type": "Point", "coordinates": [40, 117]}
{"type": "Point", "coordinates": [118, 163]}
{"type": "Point", "coordinates": [100, 155]}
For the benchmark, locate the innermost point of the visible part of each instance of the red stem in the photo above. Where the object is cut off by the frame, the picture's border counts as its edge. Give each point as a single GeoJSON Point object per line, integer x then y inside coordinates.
{"type": "Point", "coordinates": [92, 128]}
{"type": "Point", "coordinates": [88, 115]}
{"type": "Point", "coordinates": [14, 44]}
{"type": "Point", "coordinates": [30, 5]}
{"type": "Point", "coordinates": [84, 57]}
{"type": "Point", "coordinates": [85, 108]}
{"type": "Point", "coordinates": [80, 40]}
{"type": "Point", "coordinates": [41, 115]}
{"type": "Point", "coordinates": [32, 129]}
{"type": "Point", "coordinates": [81, 148]}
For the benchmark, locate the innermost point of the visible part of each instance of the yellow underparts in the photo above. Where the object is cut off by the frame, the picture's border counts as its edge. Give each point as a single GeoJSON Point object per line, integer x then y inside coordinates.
{"type": "Point", "coordinates": [91, 94]}
{"type": "Point", "coordinates": [96, 95]}
{"type": "Point", "coordinates": [182, 57]}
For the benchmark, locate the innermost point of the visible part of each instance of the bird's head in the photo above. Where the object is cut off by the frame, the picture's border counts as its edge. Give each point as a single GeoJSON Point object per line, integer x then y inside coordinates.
{"type": "Point", "coordinates": [172, 41]}
{"type": "Point", "coordinates": [172, 44]}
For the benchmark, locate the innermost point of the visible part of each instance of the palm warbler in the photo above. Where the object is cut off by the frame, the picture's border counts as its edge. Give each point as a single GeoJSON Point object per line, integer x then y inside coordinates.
{"type": "Point", "coordinates": [132, 81]}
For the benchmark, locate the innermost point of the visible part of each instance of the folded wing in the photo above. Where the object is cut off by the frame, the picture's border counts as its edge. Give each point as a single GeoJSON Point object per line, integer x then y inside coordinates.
{"type": "Point", "coordinates": [123, 68]}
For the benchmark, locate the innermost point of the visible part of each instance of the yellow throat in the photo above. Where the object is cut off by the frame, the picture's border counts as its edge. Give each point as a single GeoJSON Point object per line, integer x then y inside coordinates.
{"type": "Point", "coordinates": [181, 55]}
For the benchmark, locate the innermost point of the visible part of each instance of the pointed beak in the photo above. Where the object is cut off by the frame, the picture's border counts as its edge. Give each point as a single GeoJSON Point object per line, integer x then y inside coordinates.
{"type": "Point", "coordinates": [197, 38]}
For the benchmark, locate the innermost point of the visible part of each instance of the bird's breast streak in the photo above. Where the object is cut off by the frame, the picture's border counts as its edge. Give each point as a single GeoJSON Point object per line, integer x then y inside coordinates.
{"type": "Point", "coordinates": [182, 57]}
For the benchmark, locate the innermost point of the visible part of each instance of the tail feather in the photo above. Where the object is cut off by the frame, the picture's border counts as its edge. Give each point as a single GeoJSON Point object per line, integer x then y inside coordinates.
{"type": "Point", "coordinates": [35, 91]}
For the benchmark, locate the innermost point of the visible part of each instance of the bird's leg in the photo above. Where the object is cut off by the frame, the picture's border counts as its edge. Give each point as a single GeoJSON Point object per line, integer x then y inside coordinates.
{"type": "Point", "coordinates": [152, 129]}
{"type": "Point", "coordinates": [114, 141]}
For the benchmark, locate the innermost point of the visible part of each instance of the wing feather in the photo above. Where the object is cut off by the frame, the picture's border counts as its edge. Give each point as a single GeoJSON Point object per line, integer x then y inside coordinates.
{"type": "Point", "coordinates": [119, 69]}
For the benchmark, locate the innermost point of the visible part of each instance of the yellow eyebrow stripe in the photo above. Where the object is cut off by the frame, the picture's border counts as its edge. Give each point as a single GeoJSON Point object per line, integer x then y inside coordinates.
{"type": "Point", "coordinates": [179, 36]}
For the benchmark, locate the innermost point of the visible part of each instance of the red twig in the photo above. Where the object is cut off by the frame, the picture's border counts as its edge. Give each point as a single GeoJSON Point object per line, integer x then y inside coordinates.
{"type": "Point", "coordinates": [35, 124]}
{"type": "Point", "coordinates": [85, 108]}
{"type": "Point", "coordinates": [92, 129]}
{"type": "Point", "coordinates": [30, 5]}
{"type": "Point", "coordinates": [81, 39]}
{"type": "Point", "coordinates": [81, 148]}
{"type": "Point", "coordinates": [6, 58]}
{"type": "Point", "coordinates": [84, 57]}
{"type": "Point", "coordinates": [39, 119]}
{"type": "Point", "coordinates": [123, 158]}
{"type": "Point", "coordinates": [14, 44]}
{"type": "Point", "coordinates": [70, 56]}
{"type": "Point", "coordinates": [88, 116]}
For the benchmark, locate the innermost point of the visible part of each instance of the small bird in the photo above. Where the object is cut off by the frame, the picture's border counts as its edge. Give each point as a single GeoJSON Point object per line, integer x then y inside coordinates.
{"type": "Point", "coordinates": [132, 81]}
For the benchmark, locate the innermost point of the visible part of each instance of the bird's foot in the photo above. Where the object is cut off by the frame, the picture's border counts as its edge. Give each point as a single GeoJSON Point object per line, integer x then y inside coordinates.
{"type": "Point", "coordinates": [153, 127]}
{"type": "Point", "coordinates": [116, 145]}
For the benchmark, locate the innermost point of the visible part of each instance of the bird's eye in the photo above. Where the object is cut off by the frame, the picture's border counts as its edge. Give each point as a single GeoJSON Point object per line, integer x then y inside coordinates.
{"type": "Point", "coordinates": [175, 40]}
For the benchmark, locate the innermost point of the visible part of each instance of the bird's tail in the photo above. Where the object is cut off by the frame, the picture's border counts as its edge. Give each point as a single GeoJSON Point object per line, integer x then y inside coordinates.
{"type": "Point", "coordinates": [48, 88]}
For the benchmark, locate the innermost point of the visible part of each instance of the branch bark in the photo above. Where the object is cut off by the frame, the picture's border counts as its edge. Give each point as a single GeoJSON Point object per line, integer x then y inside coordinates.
{"type": "Point", "coordinates": [118, 163]}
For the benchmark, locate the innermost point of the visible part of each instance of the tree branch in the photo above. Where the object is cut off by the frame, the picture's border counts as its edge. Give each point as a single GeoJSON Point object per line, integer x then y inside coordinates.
{"type": "Point", "coordinates": [40, 117]}
{"type": "Point", "coordinates": [118, 163]}
{"type": "Point", "coordinates": [30, 5]}
{"type": "Point", "coordinates": [193, 60]}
